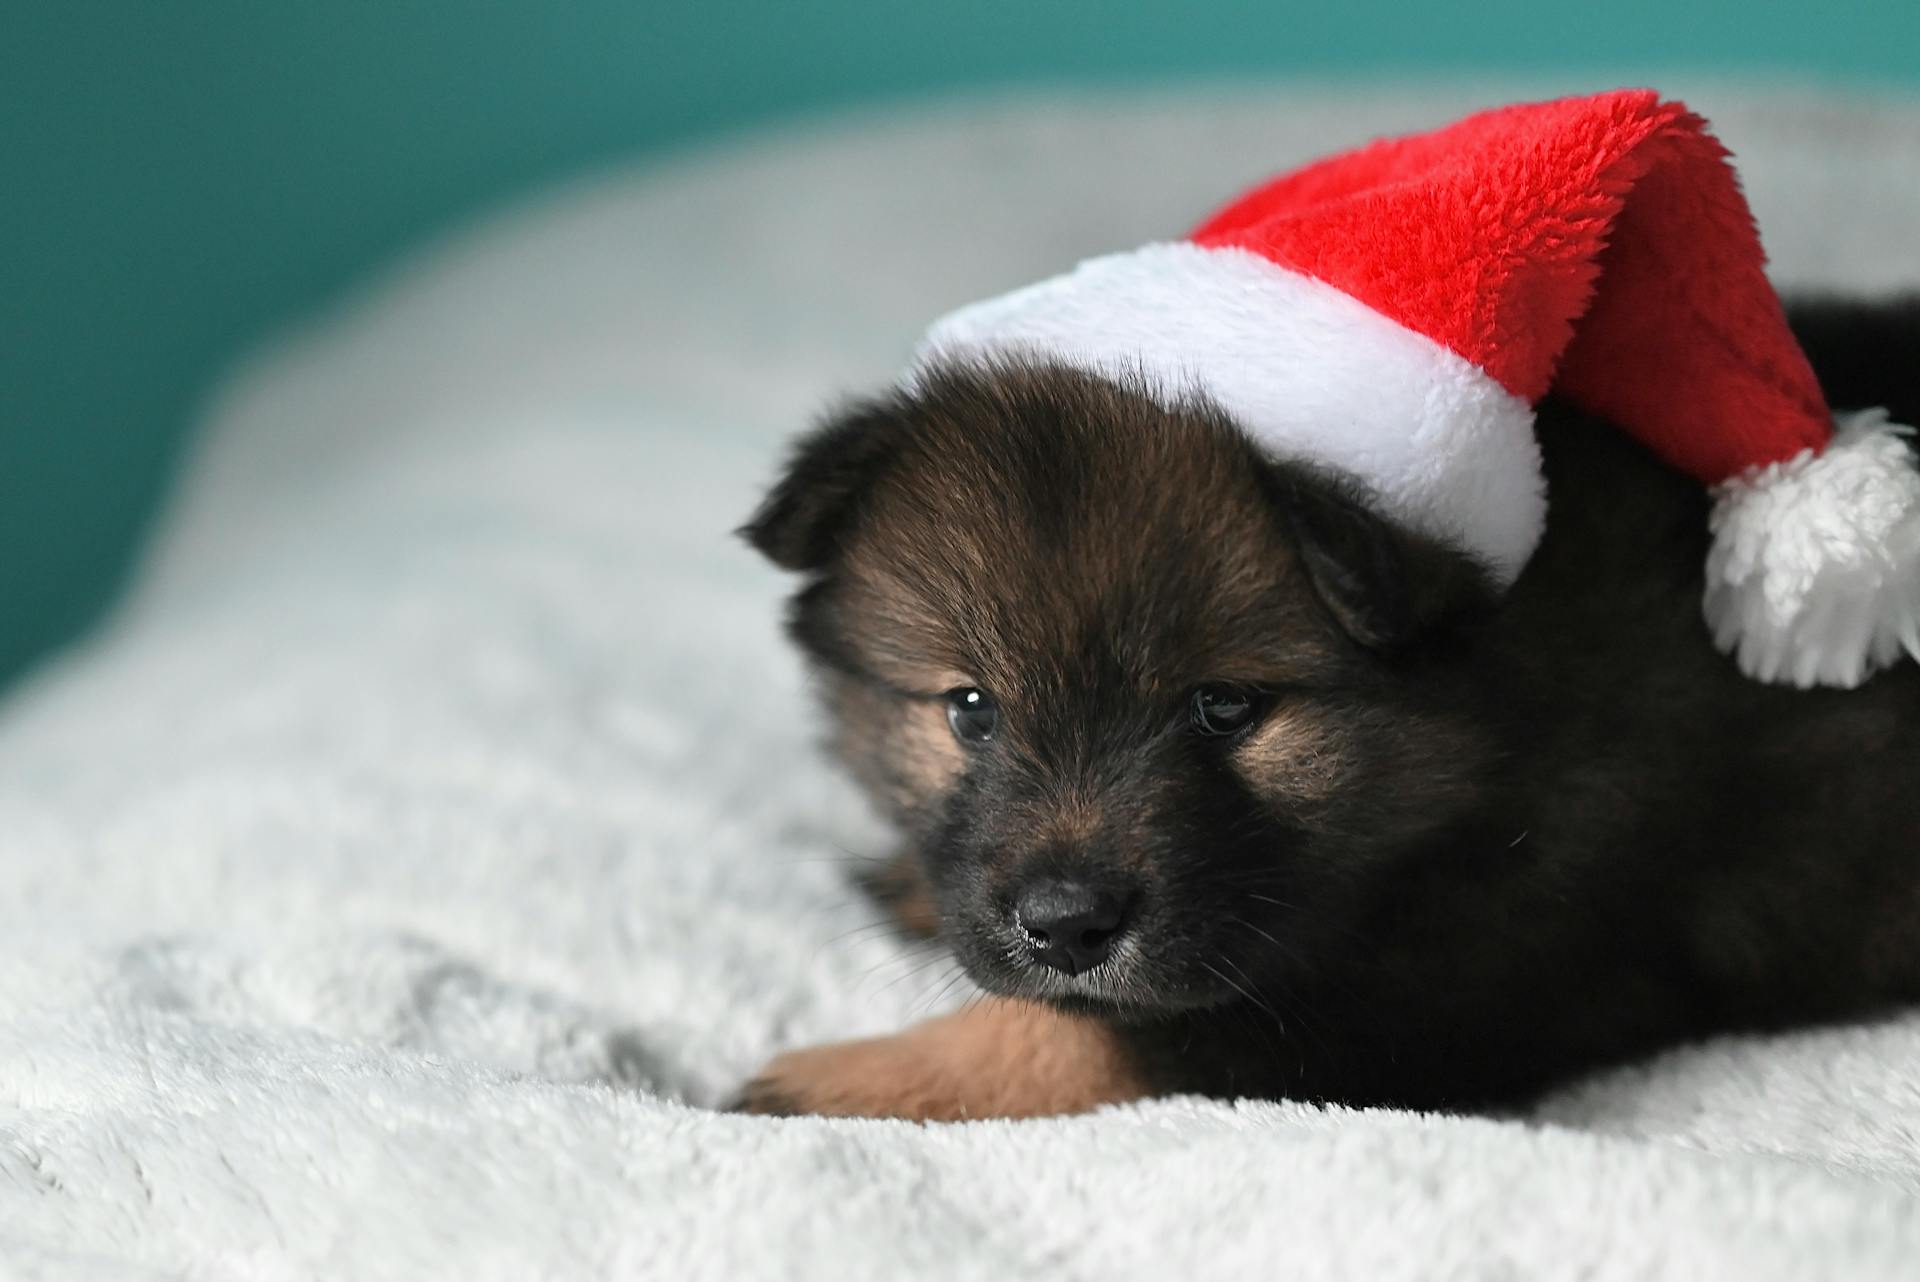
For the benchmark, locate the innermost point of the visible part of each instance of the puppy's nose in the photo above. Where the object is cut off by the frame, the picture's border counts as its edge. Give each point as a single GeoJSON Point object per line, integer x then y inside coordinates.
{"type": "Point", "coordinates": [1069, 925]}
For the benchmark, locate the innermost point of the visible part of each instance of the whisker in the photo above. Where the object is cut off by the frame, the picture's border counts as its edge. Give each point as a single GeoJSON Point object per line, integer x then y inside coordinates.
{"type": "Point", "coordinates": [1297, 1003]}
{"type": "Point", "coordinates": [926, 1006]}
{"type": "Point", "coordinates": [925, 965]}
{"type": "Point", "coordinates": [1264, 1031]}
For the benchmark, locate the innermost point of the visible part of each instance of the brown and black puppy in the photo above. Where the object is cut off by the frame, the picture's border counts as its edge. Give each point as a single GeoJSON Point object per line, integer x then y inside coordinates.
{"type": "Point", "coordinates": [1224, 784]}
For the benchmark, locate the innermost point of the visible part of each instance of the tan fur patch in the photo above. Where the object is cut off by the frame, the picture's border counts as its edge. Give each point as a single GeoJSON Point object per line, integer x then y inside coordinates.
{"type": "Point", "coordinates": [900, 886]}
{"type": "Point", "coordinates": [917, 914]}
{"type": "Point", "coordinates": [1070, 821]}
{"type": "Point", "coordinates": [1294, 755]}
{"type": "Point", "coordinates": [902, 750]}
{"type": "Point", "coordinates": [929, 756]}
{"type": "Point", "coordinates": [997, 1058]}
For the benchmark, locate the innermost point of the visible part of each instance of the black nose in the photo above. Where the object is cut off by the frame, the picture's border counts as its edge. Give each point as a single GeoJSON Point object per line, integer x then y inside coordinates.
{"type": "Point", "coordinates": [1069, 925]}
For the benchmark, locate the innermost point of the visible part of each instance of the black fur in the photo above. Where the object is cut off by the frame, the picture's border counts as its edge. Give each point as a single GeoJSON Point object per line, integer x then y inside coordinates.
{"type": "Point", "coordinates": [799, 524]}
{"type": "Point", "coordinates": [1523, 838]}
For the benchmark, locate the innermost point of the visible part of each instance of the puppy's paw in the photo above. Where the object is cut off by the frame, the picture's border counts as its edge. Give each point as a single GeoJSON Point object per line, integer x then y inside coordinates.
{"type": "Point", "coordinates": [995, 1059]}
{"type": "Point", "coordinates": [880, 1077]}
{"type": "Point", "coordinates": [764, 1097]}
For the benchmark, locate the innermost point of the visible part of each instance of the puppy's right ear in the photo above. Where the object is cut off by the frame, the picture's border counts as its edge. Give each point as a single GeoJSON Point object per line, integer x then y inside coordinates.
{"type": "Point", "coordinates": [801, 522]}
{"type": "Point", "coordinates": [1384, 585]}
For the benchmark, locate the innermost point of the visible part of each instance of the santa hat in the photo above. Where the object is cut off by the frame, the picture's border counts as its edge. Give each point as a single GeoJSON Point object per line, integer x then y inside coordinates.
{"type": "Point", "coordinates": [1394, 312]}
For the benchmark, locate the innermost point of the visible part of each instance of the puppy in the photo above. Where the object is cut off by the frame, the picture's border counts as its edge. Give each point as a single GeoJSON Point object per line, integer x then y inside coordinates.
{"type": "Point", "coordinates": [1220, 782]}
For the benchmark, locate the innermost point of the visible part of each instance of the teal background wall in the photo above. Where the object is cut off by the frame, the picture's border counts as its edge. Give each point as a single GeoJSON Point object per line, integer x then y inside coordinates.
{"type": "Point", "coordinates": [178, 176]}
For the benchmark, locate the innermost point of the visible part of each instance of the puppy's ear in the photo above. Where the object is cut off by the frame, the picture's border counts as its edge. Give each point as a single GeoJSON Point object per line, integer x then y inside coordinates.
{"type": "Point", "coordinates": [800, 524]}
{"type": "Point", "coordinates": [1385, 586]}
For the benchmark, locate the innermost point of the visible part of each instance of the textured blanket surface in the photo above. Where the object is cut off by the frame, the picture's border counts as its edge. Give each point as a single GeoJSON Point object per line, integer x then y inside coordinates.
{"type": "Point", "coordinates": [437, 834]}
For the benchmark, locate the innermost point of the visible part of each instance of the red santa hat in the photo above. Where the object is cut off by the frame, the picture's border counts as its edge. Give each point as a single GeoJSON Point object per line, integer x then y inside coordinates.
{"type": "Point", "coordinates": [1395, 312]}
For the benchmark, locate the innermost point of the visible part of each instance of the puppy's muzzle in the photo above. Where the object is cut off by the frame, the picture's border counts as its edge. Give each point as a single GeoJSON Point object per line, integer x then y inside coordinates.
{"type": "Point", "coordinates": [1070, 925]}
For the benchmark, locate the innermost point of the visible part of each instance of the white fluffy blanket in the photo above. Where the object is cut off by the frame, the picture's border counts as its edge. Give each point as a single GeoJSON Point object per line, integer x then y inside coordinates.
{"type": "Point", "coordinates": [390, 891]}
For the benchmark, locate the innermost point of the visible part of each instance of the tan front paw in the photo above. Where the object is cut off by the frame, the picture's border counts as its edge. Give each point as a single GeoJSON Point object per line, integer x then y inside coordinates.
{"type": "Point", "coordinates": [881, 1077]}
{"type": "Point", "coordinates": [993, 1059]}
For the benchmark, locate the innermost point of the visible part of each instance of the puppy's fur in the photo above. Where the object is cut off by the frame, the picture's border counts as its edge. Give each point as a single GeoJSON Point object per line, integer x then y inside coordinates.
{"type": "Point", "coordinates": [1473, 844]}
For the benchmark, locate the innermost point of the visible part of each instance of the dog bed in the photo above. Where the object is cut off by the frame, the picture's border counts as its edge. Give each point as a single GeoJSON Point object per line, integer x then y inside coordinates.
{"type": "Point", "coordinates": [436, 835]}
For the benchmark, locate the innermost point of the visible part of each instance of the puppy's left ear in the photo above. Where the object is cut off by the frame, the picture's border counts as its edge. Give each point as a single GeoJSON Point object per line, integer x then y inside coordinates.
{"type": "Point", "coordinates": [1387, 587]}
{"type": "Point", "coordinates": [801, 523]}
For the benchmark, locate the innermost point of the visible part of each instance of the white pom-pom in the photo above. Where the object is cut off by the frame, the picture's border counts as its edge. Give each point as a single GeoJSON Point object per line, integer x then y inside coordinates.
{"type": "Point", "coordinates": [1814, 576]}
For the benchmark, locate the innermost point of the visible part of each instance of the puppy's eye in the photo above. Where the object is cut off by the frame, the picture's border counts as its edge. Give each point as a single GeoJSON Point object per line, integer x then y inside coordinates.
{"type": "Point", "coordinates": [973, 714]}
{"type": "Point", "coordinates": [1224, 709]}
